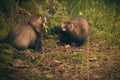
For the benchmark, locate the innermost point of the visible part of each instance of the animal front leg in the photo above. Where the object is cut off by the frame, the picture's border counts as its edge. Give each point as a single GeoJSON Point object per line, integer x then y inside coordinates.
{"type": "Point", "coordinates": [38, 46]}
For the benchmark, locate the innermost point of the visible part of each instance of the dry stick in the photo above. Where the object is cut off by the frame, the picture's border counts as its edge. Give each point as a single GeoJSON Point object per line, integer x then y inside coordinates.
{"type": "Point", "coordinates": [39, 61]}
{"type": "Point", "coordinates": [34, 65]}
{"type": "Point", "coordinates": [88, 44]}
{"type": "Point", "coordinates": [88, 76]}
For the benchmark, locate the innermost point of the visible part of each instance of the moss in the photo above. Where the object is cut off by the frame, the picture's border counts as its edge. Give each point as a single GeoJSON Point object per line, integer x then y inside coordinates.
{"type": "Point", "coordinates": [29, 5]}
{"type": "Point", "coordinates": [5, 61]}
{"type": "Point", "coordinates": [27, 75]}
{"type": "Point", "coordinates": [49, 43]}
{"type": "Point", "coordinates": [77, 57]}
{"type": "Point", "coordinates": [3, 25]}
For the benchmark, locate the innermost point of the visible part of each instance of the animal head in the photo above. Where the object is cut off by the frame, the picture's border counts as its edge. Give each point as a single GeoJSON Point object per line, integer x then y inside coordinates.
{"type": "Point", "coordinates": [38, 22]}
{"type": "Point", "coordinates": [67, 26]}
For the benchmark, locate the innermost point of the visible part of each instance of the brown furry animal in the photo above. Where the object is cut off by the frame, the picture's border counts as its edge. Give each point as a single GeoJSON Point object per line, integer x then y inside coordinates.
{"type": "Point", "coordinates": [24, 36]}
{"type": "Point", "coordinates": [77, 30]}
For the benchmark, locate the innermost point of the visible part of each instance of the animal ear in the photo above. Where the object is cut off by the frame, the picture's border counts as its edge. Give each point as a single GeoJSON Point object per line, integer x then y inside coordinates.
{"type": "Point", "coordinates": [39, 19]}
{"type": "Point", "coordinates": [71, 26]}
{"type": "Point", "coordinates": [45, 21]}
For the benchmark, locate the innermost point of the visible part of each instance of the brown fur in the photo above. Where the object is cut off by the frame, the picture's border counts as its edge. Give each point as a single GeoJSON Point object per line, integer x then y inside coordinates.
{"type": "Point", "coordinates": [77, 28]}
{"type": "Point", "coordinates": [24, 36]}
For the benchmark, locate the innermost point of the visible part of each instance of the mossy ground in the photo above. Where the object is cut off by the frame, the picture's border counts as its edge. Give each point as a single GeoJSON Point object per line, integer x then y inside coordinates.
{"type": "Point", "coordinates": [59, 63]}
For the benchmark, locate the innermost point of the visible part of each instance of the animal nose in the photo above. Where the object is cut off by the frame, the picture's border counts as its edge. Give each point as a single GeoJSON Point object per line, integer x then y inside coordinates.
{"type": "Point", "coordinates": [63, 29]}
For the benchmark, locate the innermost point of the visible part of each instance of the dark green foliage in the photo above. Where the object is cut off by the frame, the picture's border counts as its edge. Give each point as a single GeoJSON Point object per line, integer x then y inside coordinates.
{"type": "Point", "coordinates": [5, 60]}
{"type": "Point", "coordinates": [3, 25]}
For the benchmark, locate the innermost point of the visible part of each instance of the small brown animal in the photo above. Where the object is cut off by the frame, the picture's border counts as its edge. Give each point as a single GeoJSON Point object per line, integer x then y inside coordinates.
{"type": "Point", "coordinates": [24, 36]}
{"type": "Point", "coordinates": [77, 30]}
